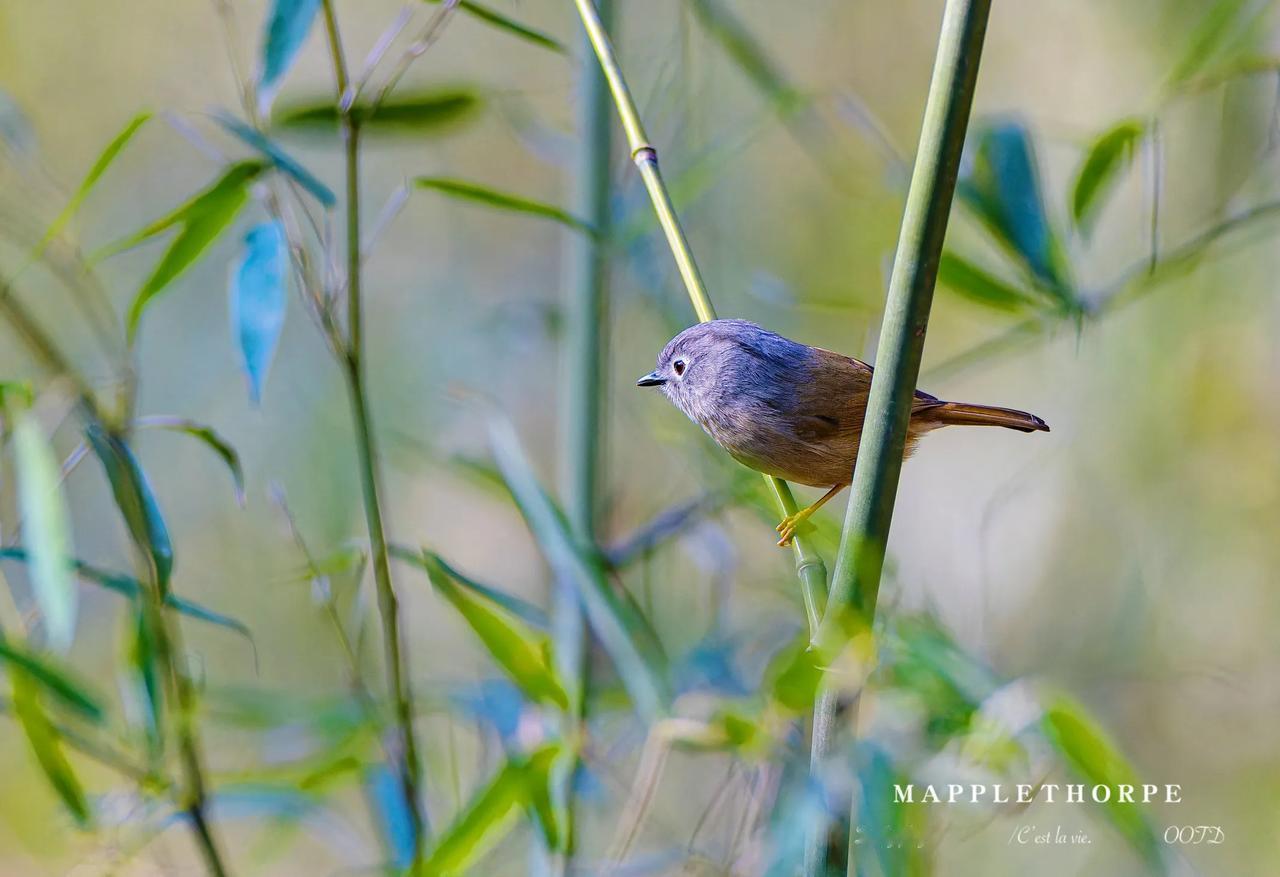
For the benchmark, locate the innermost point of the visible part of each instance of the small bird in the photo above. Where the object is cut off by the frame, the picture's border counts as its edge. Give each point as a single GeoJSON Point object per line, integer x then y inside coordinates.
{"type": "Point", "coordinates": [790, 410]}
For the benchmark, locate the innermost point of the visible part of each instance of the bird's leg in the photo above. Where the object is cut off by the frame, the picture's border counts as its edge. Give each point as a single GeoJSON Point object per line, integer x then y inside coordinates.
{"type": "Point", "coordinates": [791, 523]}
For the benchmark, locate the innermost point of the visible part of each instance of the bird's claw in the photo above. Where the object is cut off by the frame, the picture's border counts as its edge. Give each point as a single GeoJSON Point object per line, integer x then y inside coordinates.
{"type": "Point", "coordinates": [788, 528]}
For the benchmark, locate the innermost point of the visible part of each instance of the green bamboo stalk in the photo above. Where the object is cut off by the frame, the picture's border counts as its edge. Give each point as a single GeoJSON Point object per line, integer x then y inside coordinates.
{"type": "Point", "coordinates": [167, 630]}
{"type": "Point", "coordinates": [408, 765]}
{"type": "Point", "coordinates": [856, 579]}
{"type": "Point", "coordinates": [585, 366]}
{"type": "Point", "coordinates": [809, 565]}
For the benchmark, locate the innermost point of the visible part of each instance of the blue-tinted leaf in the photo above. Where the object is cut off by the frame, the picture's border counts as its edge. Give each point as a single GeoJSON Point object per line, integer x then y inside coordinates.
{"type": "Point", "coordinates": [201, 220]}
{"type": "Point", "coordinates": [46, 531]}
{"type": "Point", "coordinates": [15, 128]}
{"type": "Point", "coordinates": [394, 820]}
{"type": "Point", "coordinates": [143, 689]}
{"type": "Point", "coordinates": [1087, 751]}
{"type": "Point", "coordinates": [132, 588]}
{"type": "Point", "coordinates": [1108, 157]}
{"type": "Point", "coordinates": [206, 434]}
{"type": "Point", "coordinates": [258, 294]}
{"type": "Point", "coordinates": [416, 114]}
{"type": "Point", "coordinates": [1001, 186]}
{"type": "Point", "coordinates": [887, 831]}
{"type": "Point", "coordinates": [623, 632]}
{"type": "Point", "coordinates": [495, 703]}
{"type": "Point", "coordinates": [57, 681]}
{"type": "Point", "coordinates": [95, 173]}
{"type": "Point", "coordinates": [47, 747]}
{"type": "Point", "coordinates": [288, 23]}
{"type": "Point", "coordinates": [136, 502]}
{"type": "Point", "coordinates": [465, 191]}
{"type": "Point", "coordinates": [282, 161]}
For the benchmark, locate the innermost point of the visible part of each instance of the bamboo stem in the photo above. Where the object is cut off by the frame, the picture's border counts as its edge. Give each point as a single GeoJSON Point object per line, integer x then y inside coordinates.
{"type": "Point", "coordinates": [809, 566]}
{"type": "Point", "coordinates": [166, 630]}
{"type": "Point", "coordinates": [585, 367]}
{"type": "Point", "coordinates": [856, 579]}
{"type": "Point", "coordinates": [407, 763]}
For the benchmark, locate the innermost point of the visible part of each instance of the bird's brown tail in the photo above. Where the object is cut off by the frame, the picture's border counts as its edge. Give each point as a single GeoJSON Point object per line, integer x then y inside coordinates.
{"type": "Point", "coordinates": [964, 414]}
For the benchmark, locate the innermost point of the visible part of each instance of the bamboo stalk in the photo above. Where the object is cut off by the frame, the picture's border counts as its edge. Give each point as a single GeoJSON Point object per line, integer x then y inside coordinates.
{"type": "Point", "coordinates": [585, 367]}
{"type": "Point", "coordinates": [855, 581]}
{"type": "Point", "coordinates": [809, 565]}
{"type": "Point", "coordinates": [407, 765]}
{"type": "Point", "coordinates": [166, 630]}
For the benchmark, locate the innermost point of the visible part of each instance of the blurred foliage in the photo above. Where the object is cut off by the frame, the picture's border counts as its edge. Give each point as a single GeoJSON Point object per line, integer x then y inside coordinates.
{"type": "Point", "coordinates": [699, 667]}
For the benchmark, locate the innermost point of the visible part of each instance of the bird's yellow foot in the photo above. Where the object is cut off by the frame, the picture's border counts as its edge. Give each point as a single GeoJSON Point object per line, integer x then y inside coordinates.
{"type": "Point", "coordinates": [791, 524]}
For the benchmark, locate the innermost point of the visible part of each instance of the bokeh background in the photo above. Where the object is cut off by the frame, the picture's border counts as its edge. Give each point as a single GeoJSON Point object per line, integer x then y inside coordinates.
{"type": "Point", "coordinates": [1129, 557]}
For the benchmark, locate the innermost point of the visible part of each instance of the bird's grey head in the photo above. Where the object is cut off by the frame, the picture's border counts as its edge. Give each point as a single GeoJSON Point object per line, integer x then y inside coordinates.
{"type": "Point", "coordinates": [712, 363]}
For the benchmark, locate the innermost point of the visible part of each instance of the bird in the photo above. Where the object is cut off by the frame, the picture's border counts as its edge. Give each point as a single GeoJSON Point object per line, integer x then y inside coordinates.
{"type": "Point", "coordinates": [790, 410]}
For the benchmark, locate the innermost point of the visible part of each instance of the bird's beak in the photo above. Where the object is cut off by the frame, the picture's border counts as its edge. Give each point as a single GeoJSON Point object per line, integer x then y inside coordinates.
{"type": "Point", "coordinates": [652, 379]}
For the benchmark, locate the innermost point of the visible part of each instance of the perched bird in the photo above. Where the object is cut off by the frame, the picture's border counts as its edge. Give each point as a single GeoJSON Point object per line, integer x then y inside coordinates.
{"type": "Point", "coordinates": [791, 410]}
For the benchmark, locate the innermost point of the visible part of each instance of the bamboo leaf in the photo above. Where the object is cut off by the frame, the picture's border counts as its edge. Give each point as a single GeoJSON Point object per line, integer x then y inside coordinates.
{"type": "Point", "coordinates": [130, 587]}
{"type": "Point", "coordinates": [1225, 23]}
{"type": "Point", "coordinates": [53, 679]}
{"type": "Point", "coordinates": [287, 26]}
{"type": "Point", "coordinates": [143, 690]}
{"type": "Point", "coordinates": [1000, 184]}
{"type": "Point", "coordinates": [410, 113]}
{"type": "Point", "coordinates": [522, 609]}
{"type": "Point", "coordinates": [491, 813]}
{"type": "Point", "coordinates": [46, 530]}
{"type": "Point", "coordinates": [394, 820]}
{"type": "Point", "coordinates": [136, 502]}
{"type": "Point", "coordinates": [109, 155]}
{"type": "Point", "coordinates": [981, 286]}
{"type": "Point", "coordinates": [201, 220]}
{"type": "Point", "coordinates": [623, 632]}
{"type": "Point", "coordinates": [505, 23]}
{"type": "Point", "coordinates": [1087, 751]}
{"type": "Point", "coordinates": [280, 159]}
{"type": "Point", "coordinates": [47, 748]}
{"type": "Point", "coordinates": [1107, 158]}
{"type": "Point", "coordinates": [477, 194]}
{"type": "Point", "coordinates": [259, 301]}
{"type": "Point", "coordinates": [515, 647]}
{"type": "Point", "coordinates": [746, 51]}
{"type": "Point", "coordinates": [212, 439]}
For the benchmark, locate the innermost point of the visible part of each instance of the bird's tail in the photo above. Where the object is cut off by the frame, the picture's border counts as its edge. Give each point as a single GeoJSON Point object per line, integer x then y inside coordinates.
{"type": "Point", "coordinates": [964, 414]}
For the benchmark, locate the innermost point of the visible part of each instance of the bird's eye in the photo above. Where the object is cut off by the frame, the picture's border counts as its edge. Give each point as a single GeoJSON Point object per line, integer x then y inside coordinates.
{"type": "Point", "coordinates": [678, 365]}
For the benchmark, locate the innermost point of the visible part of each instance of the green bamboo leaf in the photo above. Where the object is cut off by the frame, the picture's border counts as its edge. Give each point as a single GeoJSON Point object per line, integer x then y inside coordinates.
{"type": "Point", "coordinates": [505, 23]}
{"type": "Point", "coordinates": [130, 587]}
{"type": "Point", "coordinates": [55, 680]}
{"type": "Point", "coordinates": [1226, 23]}
{"type": "Point", "coordinates": [1107, 158]}
{"type": "Point", "coordinates": [1088, 752]}
{"type": "Point", "coordinates": [206, 434]}
{"type": "Point", "coordinates": [410, 113]}
{"type": "Point", "coordinates": [491, 813]}
{"type": "Point", "coordinates": [280, 159]}
{"type": "Point", "coordinates": [746, 51]}
{"type": "Point", "coordinates": [258, 293]}
{"type": "Point", "coordinates": [109, 155]}
{"type": "Point", "coordinates": [287, 26]}
{"type": "Point", "coordinates": [549, 810]}
{"type": "Point", "coordinates": [522, 609]}
{"type": "Point", "coordinates": [625, 635]}
{"type": "Point", "coordinates": [143, 690]}
{"type": "Point", "coordinates": [46, 530]}
{"type": "Point", "coordinates": [202, 219]}
{"type": "Point", "coordinates": [465, 191]}
{"type": "Point", "coordinates": [965, 278]}
{"type": "Point", "coordinates": [47, 748]}
{"type": "Point", "coordinates": [136, 502]}
{"type": "Point", "coordinates": [514, 646]}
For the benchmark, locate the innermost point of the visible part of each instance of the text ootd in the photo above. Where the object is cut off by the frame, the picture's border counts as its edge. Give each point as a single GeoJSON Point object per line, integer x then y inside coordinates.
{"type": "Point", "coordinates": [1025, 793]}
